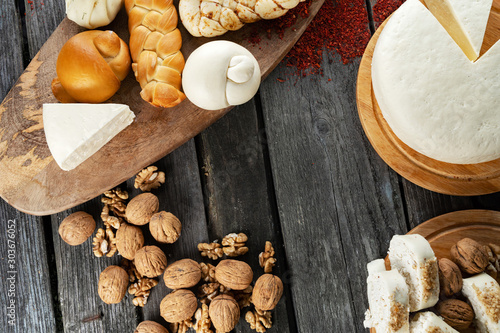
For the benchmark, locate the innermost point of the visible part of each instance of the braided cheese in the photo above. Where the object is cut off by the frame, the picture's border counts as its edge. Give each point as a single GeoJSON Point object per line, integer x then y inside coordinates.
{"type": "Point", "coordinates": [155, 44]}
{"type": "Point", "coordinates": [209, 18]}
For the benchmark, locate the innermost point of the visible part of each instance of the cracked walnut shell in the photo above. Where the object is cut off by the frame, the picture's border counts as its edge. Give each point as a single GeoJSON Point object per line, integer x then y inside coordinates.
{"type": "Point", "coordinates": [185, 273]}
{"type": "Point", "coordinates": [234, 274]}
{"type": "Point", "coordinates": [113, 283]}
{"type": "Point", "coordinates": [450, 277]}
{"type": "Point", "coordinates": [141, 208]}
{"type": "Point", "coordinates": [224, 312]}
{"type": "Point", "coordinates": [267, 292]}
{"type": "Point", "coordinates": [165, 227]}
{"type": "Point", "coordinates": [77, 228]}
{"type": "Point", "coordinates": [470, 256]}
{"type": "Point", "coordinates": [178, 306]}
{"type": "Point", "coordinates": [456, 313]}
{"type": "Point", "coordinates": [150, 327]}
{"type": "Point", "coordinates": [150, 261]}
{"type": "Point", "coordinates": [129, 240]}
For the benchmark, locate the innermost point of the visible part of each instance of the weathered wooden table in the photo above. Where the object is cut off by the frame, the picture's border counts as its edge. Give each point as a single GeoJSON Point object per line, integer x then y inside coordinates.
{"type": "Point", "coordinates": [292, 166]}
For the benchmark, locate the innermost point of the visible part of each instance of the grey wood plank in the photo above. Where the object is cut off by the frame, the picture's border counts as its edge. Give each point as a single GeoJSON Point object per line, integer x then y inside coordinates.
{"type": "Point", "coordinates": [42, 18]}
{"type": "Point", "coordinates": [78, 273]}
{"type": "Point", "coordinates": [339, 204]}
{"type": "Point", "coordinates": [238, 195]}
{"type": "Point", "coordinates": [182, 196]}
{"type": "Point", "coordinates": [11, 62]}
{"type": "Point", "coordinates": [25, 292]}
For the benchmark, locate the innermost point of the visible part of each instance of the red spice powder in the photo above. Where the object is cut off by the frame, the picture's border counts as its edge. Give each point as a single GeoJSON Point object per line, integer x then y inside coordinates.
{"type": "Point", "coordinates": [384, 8]}
{"type": "Point", "coordinates": [340, 27]}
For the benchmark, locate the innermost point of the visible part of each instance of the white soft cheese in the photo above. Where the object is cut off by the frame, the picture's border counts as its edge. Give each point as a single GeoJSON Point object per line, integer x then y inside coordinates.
{"type": "Point", "coordinates": [219, 74]}
{"type": "Point", "coordinates": [74, 132]}
{"type": "Point", "coordinates": [483, 292]}
{"type": "Point", "coordinates": [92, 14]}
{"type": "Point", "coordinates": [426, 322]}
{"type": "Point", "coordinates": [432, 96]}
{"type": "Point", "coordinates": [465, 21]}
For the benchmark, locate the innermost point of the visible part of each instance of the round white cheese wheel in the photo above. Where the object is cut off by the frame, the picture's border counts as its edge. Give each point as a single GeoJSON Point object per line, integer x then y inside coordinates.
{"type": "Point", "coordinates": [432, 96]}
{"type": "Point", "coordinates": [219, 74]}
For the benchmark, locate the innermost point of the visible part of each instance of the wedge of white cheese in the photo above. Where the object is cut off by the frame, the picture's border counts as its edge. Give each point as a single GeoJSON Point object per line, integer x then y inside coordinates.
{"type": "Point", "coordinates": [464, 20]}
{"type": "Point", "coordinates": [428, 322]}
{"type": "Point", "coordinates": [432, 96]}
{"type": "Point", "coordinates": [483, 292]}
{"type": "Point", "coordinates": [74, 132]}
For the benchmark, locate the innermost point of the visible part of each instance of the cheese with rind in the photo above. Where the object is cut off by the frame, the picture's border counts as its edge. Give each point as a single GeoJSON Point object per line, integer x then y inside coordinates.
{"type": "Point", "coordinates": [465, 21]}
{"type": "Point", "coordinates": [74, 132]}
{"type": "Point", "coordinates": [432, 96]}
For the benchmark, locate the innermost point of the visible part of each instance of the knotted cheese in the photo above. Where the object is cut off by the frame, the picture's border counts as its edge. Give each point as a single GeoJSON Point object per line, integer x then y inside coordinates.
{"type": "Point", "coordinates": [219, 74]}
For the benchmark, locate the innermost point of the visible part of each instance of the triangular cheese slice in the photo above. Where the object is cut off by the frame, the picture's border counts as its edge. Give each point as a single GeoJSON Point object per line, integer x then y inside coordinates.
{"type": "Point", "coordinates": [74, 132]}
{"type": "Point", "coordinates": [464, 20]}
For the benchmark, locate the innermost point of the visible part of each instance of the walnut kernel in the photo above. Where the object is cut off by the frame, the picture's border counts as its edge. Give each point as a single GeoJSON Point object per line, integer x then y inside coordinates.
{"type": "Point", "coordinates": [77, 228]}
{"type": "Point", "coordinates": [259, 320]}
{"type": "Point", "coordinates": [266, 258]}
{"type": "Point", "coordinates": [149, 179]}
{"type": "Point", "coordinates": [211, 250]}
{"type": "Point", "coordinates": [234, 244]}
{"type": "Point", "coordinates": [165, 227]}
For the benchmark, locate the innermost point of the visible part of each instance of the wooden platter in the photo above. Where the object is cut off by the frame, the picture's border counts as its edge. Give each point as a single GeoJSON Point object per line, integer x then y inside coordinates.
{"type": "Point", "coordinates": [445, 230]}
{"type": "Point", "coordinates": [453, 179]}
{"type": "Point", "coordinates": [31, 180]}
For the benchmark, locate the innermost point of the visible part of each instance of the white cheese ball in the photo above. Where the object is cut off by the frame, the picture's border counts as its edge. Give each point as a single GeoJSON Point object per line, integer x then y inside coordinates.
{"type": "Point", "coordinates": [219, 74]}
{"type": "Point", "coordinates": [92, 14]}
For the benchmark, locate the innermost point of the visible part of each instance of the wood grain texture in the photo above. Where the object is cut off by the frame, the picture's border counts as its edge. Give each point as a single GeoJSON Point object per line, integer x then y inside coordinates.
{"type": "Point", "coordinates": [454, 179]}
{"type": "Point", "coordinates": [24, 156]}
{"type": "Point", "coordinates": [78, 273]}
{"type": "Point", "coordinates": [42, 18]}
{"type": "Point", "coordinates": [11, 62]}
{"type": "Point", "coordinates": [34, 310]}
{"type": "Point", "coordinates": [237, 195]}
{"type": "Point", "coordinates": [338, 202]}
{"type": "Point", "coordinates": [182, 196]}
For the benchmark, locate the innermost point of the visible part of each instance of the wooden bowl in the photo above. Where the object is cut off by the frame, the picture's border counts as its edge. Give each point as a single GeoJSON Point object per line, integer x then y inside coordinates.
{"type": "Point", "coordinates": [446, 178]}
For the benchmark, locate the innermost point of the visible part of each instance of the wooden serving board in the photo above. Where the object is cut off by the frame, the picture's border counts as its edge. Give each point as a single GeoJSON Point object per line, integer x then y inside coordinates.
{"type": "Point", "coordinates": [445, 230]}
{"type": "Point", "coordinates": [453, 179]}
{"type": "Point", "coordinates": [32, 181]}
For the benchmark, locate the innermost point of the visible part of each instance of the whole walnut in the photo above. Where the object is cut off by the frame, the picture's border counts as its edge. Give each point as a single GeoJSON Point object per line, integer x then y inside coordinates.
{"type": "Point", "coordinates": [178, 306]}
{"type": "Point", "coordinates": [113, 284]}
{"type": "Point", "coordinates": [456, 313]}
{"type": "Point", "coordinates": [470, 256]}
{"type": "Point", "coordinates": [150, 261]}
{"type": "Point", "coordinates": [450, 277]}
{"type": "Point", "coordinates": [141, 208]}
{"type": "Point", "coordinates": [185, 273]}
{"type": "Point", "coordinates": [224, 312]}
{"type": "Point", "coordinates": [150, 327]}
{"type": "Point", "coordinates": [165, 227]}
{"type": "Point", "coordinates": [77, 228]}
{"type": "Point", "coordinates": [129, 239]}
{"type": "Point", "coordinates": [234, 274]}
{"type": "Point", "coordinates": [267, 292]}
